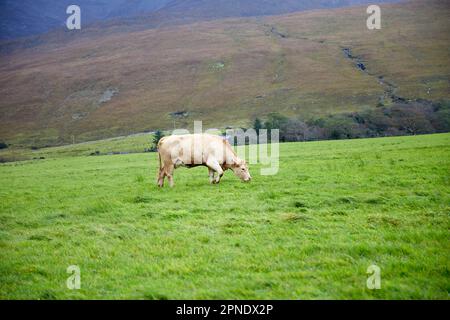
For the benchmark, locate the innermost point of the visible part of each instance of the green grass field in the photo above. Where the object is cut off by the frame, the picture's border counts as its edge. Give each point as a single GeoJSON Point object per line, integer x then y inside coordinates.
{"type": "Point", "coordinates": [309, 232]}
{"type": "Point", "coordinates": [127, 144]}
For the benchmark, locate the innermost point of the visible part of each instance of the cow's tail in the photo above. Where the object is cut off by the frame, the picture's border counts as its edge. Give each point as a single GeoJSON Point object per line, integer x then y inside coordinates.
{"type": "Point", "coordinates": [159, 156]}
{"type": "Point", "coordinates": [159, 153]}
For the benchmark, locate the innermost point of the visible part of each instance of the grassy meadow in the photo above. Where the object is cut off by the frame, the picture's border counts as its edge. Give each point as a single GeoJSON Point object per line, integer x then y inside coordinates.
{"type": "Point", "coordinates": [309, 232]}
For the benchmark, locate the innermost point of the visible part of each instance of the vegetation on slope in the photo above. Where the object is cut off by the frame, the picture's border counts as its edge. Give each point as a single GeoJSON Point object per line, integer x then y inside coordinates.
{"type": "Point", "coordinates": [420, 117]}
{"type": "Point", "coordinates": [108, 82]}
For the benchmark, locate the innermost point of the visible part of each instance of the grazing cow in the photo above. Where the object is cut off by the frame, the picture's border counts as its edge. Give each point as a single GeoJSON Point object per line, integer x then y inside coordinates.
{"type": "Point", "coordinates": [194, 150]}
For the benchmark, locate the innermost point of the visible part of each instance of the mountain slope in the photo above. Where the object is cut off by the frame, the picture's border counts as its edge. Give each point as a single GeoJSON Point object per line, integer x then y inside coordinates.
{"type": "Point", "coordinates": [247, 8]}
{"type": "Point", "coordinates": [28, 17]}
{"type": "Point", "coordinates": [179, 12]}
{"type": "Point", "coordinates": [129, 8]}
{"type": "Point", "coordinates": [223, 72]}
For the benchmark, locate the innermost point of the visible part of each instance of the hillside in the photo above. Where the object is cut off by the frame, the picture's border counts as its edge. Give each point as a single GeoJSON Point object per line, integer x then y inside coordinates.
{"type": "Point", "coordinates": [107, 82]}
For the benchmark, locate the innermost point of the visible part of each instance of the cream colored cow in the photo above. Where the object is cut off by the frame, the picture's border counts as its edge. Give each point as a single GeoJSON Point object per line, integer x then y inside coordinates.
{"type": "Point", "coordinates": [194, 150]}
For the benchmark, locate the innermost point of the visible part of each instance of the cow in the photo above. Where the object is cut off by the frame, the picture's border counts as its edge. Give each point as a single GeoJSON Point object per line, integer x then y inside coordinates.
{"type": "Point", "coordinates": [192, 150]}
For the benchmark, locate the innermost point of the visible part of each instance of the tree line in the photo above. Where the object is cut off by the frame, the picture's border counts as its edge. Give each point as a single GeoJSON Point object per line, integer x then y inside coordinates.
{"type": "Point", "coordinates": [418, 117]}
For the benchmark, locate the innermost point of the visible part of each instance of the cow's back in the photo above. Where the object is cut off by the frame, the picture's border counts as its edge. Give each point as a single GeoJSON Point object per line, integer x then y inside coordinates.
{"type": "Point", "coordinates": [193, 149]}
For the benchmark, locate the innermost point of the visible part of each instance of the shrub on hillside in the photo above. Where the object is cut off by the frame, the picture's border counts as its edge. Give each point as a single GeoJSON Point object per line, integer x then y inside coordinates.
{"type": "Point", "coordinates": [412, 119]}
{"type": "Point", "coordinates": [342, 127]}
{"type": "Point", "coordinates": [377, 121]}
{"type": "Point", "coordinates": [294, 130]}
{"type": "Point", "coordinates": [275, 120]}
{"type": "Point", "coordinates": [441, 117]}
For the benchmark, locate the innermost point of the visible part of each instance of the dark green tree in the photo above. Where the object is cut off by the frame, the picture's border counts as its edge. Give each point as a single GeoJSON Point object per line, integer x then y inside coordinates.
{"type": "Point", "coordinates": [158, 135]}
{"type": "Point", "coordinates": [275, 121]}
{"type": "Point", "coordinates": [257, 125]}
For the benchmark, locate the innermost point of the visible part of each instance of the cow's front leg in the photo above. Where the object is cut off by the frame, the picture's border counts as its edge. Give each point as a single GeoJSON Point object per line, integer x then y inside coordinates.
{"type": "Point", "coordinates": [211, 175]}
{"type": "Point", "coordinates": [215, 166]}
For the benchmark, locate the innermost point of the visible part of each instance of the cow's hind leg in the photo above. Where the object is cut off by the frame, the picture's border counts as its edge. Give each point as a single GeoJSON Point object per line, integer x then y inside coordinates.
{"type": "Point", "coordinates": [161, 177]}
{"type": "Point", "coordinates": [162, 172]}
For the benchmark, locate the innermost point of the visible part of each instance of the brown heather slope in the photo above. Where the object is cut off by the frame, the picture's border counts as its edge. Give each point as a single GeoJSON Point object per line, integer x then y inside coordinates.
{"type": "Point", "coordinates": [223, 72]}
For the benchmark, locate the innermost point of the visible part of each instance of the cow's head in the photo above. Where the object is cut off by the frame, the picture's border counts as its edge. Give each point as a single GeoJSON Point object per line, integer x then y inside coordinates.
{"type": "Point", "coordinates": [240, 169]}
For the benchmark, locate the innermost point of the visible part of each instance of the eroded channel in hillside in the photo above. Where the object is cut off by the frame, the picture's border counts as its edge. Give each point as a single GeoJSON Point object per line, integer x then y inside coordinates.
{"type": "Point", "coordinates": [390, 90]}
